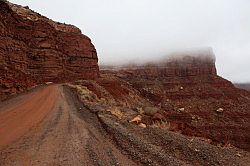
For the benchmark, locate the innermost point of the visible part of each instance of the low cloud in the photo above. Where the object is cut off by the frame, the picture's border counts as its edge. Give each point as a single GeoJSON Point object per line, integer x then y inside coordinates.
{"type": "Point", "coordinates": [128, 31]}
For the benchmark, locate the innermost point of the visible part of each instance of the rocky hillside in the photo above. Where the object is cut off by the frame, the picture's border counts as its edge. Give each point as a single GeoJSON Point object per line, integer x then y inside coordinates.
{"type": "Point", "coordinates": [245, 86]}
{"type": "Point", "coordinates": [35, 49]}
{"type": "Point", "coordinates": [184, 95]}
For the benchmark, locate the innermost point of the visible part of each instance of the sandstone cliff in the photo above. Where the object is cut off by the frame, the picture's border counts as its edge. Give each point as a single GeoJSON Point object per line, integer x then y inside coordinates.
{"type": "Point", "coordinates": [175, 67]}
{"type": "Point", "coordinates": [35, 49]}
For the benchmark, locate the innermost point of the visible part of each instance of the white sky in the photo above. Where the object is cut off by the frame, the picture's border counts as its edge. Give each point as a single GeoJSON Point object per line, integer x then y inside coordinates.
{"type": "Point", "coordinates": [136, 30]}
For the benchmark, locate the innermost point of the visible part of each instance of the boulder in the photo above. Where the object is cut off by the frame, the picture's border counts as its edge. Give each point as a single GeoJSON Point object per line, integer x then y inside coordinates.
{"type": "Point", "coordinates": [136, 119]}
{"type": "Point", "coordinates": [142, 125]}
{"type": "Point", "coordinates": [150, 111]}
{"type": "Point", "coordinates": [220, 110]}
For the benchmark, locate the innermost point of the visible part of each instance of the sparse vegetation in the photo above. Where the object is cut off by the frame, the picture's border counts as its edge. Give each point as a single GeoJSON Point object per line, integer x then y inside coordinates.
{"type": "Point", "coordinates": [150, 110]}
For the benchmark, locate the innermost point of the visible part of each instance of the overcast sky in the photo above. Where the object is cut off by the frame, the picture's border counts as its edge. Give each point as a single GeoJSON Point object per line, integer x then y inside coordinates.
{"type": "Point", "coordinates": [135, 30]}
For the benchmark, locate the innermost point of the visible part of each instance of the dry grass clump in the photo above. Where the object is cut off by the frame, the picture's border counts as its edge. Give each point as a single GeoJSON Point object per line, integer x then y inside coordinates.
{"type": "Point", "coordinates": [84, 93]}
{"type": "Point", "coordinates": [161, 124]}
{"type": "Point", "coordinates": [116, 112]}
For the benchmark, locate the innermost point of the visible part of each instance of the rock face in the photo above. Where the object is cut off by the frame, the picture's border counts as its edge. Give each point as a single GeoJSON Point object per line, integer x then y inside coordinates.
{"type": "Point", "coordinates": [35, 49]}
{"type": "Point", "coordinates": [177, 66]}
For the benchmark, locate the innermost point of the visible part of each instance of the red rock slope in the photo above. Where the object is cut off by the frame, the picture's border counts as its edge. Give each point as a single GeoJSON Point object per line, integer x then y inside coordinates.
{"type": "Point", "coordinates": [245, 86]}
{"type": "Point", "coordinates": [35, 49]}
{"type": "Point", "coordinates": [193, 99]}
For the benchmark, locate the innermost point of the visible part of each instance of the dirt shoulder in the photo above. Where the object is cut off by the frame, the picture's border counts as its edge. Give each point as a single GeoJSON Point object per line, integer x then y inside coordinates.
{"type": "Point", "coordinates": [147, 144]}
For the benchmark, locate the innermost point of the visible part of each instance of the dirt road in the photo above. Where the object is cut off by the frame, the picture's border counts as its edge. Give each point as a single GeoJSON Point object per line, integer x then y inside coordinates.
{"type": "Point", "coordinates": [44, 127]}
{"type": "Point", "coordinates": [51, 126]}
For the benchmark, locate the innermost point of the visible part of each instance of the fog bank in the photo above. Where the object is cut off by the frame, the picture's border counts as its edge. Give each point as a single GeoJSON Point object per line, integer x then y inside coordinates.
{"type": "Point", "coordinates": [129, 31]}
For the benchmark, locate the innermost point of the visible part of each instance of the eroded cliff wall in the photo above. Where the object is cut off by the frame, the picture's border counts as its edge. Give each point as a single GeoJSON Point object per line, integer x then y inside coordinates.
{"type": "Point", "coordinates": [179, 66]}
{"type": "Point", "coordinates": [35, 49]}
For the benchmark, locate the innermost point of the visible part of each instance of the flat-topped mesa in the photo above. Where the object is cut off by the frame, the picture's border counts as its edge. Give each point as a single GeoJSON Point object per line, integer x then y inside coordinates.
{"type": "Point", "coordinates": [35, 49]}
{"type": "Point", "coordinates": [192, 63]}
{"type": "Point", "coordinates": [179, 65]}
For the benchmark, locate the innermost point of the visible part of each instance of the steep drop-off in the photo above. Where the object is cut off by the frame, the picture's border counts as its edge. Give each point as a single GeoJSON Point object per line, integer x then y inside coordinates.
{"type": "Point", "coordinates": [35, 49]}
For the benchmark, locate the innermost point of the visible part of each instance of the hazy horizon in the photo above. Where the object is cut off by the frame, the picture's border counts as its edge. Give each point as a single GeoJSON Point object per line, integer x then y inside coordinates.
{"type": "Point", "coordinates": [135, 31]}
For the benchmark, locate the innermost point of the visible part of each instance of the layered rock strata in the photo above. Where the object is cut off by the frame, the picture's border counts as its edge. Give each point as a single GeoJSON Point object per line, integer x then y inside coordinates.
{"type": "Point", "coordinates": [177, 66]}
{"type": "Point", "coordinates": [35, 49]}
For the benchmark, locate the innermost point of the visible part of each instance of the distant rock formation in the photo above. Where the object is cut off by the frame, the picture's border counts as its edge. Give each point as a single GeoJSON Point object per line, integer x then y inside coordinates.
{"type": "Point", "coordinates": [179, 66]}
{"type": "Point", "coordinates": [188, 69]}
{"type": "Point", "coordinates": [35, 49]}
{"type": "Point", "coordinates": [245, 86]}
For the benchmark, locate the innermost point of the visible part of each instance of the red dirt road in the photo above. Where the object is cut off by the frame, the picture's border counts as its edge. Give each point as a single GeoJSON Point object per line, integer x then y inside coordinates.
{"type": "Point", "coordinates": [51, 126]}
{"type": "Point", "coordinates": [16, 120]}
{"type": "Point", "coordinates": [43, 127]}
